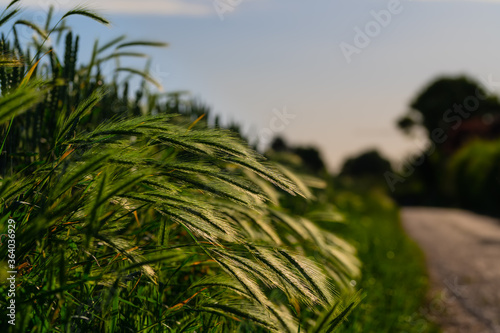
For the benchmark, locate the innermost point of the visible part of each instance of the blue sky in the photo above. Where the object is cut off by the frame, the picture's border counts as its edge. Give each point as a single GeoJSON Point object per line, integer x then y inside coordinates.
{"type": "Point", "coordinates": [269, 56]}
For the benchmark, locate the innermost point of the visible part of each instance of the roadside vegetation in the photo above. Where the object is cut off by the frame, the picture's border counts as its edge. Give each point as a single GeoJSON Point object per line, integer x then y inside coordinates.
{"type": "Point", "coordinates": [136, 212]}
{"type": "Point", "coordinates": [393, 274]}
{"type": "Point", "coordinates": [459, 166]}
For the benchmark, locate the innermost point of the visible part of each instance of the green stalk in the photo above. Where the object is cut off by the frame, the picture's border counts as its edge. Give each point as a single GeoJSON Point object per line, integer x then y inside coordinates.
{"type": "Point", "coordinates": [6, 134]}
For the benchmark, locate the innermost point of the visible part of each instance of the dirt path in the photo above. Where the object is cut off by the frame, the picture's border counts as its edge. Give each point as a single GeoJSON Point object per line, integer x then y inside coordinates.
{"type": "Point", "coordinates": [463, 256]}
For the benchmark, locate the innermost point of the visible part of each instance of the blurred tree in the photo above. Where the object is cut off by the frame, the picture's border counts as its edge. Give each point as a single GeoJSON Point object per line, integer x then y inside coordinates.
{"type": "Point", "coordinates": [446, 103]}
{"type": "Point", "coordinates": [279, 145]}
{"type": "Point", "coordinates": [453, 111]}
{"type": "Point", "coordinates": [310, 157]}
{"type": "Point", "coordinates": [406, 123]}
{"type": "Point", "coordinates": [369, 163]}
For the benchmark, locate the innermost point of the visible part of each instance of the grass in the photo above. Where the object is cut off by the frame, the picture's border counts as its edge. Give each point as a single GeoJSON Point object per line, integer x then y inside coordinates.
{"type": "Point", "coordinates": [394, 277]}
{"type": "Point", "coordinates": [130, 217]}
{"type": "Point", "coordinates": [137, 215]}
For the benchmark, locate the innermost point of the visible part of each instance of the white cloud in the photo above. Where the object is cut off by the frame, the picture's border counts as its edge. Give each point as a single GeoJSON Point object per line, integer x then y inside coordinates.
{"type": "Point", "coordinates": [151, 7]}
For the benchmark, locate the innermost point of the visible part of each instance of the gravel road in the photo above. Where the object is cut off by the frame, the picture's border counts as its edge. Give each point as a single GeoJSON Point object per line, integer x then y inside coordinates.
{"type": "Point", "coordinates": [462, 250]}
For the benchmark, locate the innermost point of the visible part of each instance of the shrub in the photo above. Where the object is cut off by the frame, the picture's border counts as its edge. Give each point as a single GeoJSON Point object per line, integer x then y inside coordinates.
{"type": "Point", "coordinates": [475, 176]}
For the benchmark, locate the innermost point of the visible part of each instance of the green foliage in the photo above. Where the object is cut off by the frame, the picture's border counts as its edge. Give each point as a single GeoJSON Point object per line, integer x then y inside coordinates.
{"type": "Point", "coordinates": [132, 218]}
{"type": "Point", "coordinates": [432, 107]}
{"type": "Point", "coordinates": [393, 275]}
{"type": "Point", "coordinates": [474, 176]}
{"type": "Point", "coordinates": [310, 157]}
{"type": "Point", "coordinates": [369, 163]}
{"type": "Point", "coordinates": [393, 280]}
{"type": "Point", "coordinates": [452, 172]}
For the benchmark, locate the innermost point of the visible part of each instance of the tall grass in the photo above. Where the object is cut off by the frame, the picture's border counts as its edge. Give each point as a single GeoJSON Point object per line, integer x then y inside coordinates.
{"type": "Point", "coordinates": [393, 277]}
{"type": "Point", "coordinates": [131, 217]}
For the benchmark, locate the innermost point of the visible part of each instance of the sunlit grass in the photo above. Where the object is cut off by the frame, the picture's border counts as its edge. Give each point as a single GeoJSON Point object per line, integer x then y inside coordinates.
{"type": "Point", "coordinates": [132, 218]}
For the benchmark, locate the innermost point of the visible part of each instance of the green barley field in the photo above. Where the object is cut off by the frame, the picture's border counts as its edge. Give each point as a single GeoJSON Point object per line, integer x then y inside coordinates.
{"type": "Point", "coordinates": [133, 211]}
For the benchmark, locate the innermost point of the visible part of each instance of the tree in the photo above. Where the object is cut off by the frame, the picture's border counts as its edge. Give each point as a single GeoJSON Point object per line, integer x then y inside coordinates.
{"type": "Point", "coordinates": [369, 163]}
{"type": "Point", "coordinates": [446, 103]}
{"type": "Point", "coordinates": [453, 111]}
{"type": "Point", "coordinates": [310, 157]}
